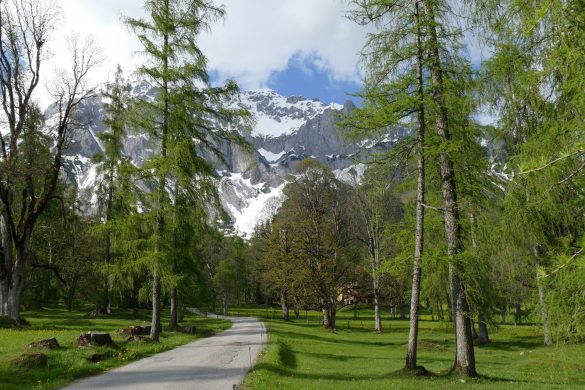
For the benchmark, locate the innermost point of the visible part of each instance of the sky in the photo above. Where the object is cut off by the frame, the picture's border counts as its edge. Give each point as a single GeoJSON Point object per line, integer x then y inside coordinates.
{"type": "Point", "coordinates": [296, 47]}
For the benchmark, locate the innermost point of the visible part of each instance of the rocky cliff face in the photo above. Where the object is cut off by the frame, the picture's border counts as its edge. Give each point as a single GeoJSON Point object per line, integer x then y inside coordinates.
{"type": "Point", "coordinates": [286, 130]}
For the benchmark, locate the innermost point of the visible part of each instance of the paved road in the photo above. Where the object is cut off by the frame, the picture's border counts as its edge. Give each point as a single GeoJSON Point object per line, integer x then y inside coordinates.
{"type": "Point", "coordinates": [216, 362]}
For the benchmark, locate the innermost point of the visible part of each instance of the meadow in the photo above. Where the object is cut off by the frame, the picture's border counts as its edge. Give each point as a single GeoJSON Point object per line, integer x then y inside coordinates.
{"type": "Point", "coordinates": [301, 355]}
{"type": "Point", "coordinates": [69, 362]}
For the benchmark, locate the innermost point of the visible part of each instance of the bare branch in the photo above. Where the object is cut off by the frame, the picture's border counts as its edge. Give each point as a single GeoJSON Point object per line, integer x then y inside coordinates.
{"type": "Point", "coordinates": [556, 160]}
{"type": "Point", "coordinates": [575, 255]}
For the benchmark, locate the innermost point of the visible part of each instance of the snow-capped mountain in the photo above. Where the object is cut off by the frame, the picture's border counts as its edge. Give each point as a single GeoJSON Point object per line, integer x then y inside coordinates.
{"type": "Point", "coordinates": [286, 130]}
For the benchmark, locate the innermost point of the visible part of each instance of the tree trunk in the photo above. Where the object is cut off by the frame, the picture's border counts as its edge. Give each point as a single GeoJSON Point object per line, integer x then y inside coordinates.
{"type": "Point", "coordinates": [473, 331]}
{"type": "Point", "coordinates": [332, 313]}
{"type": "Point", "coordinates": [5, 263]}
{"type": "Point", "coordinates": [543, 309]}
{"type": "Point", "coordinates": [106, 307]}
{"type": "Point", "coordinates": [326, 318]}
{"type": "Point", "coordinates": [402, 310]}
{"type": "Point", "coordinates": [18, 279]}
{"type": "Point", "coordinates": [329, 313]}
{"type": "Point", "coordinates": [160, 225]}
{"type": "Point", "coordinates": [173, 321]}
{"type": "Point", "coordinates": [420, 200]}
{"type": "Point", "coordinates": [541, 299]}
{"type": "Point", "coordinates": [4, 283]}
{"type": "Point", "coordinates": [156, 303]}
{"type": "Point", "coordinates": [483, 337]}
{"type": "Point", "coordinates": [284, 306]}
{"type": "Point", "coordinates": [440, 313]}
{"type": "Point", "coordinates": [71, 292]}
{"type": "Point", "coordinates": [504, 310]}
{"type": "Point", "coordinates": [376, 285]}
{"type": "Point", "coordinates": [297, 308]}
{"type": "Point", "coordinates": [465, 356]}
{"type": "Point", "coordinates": [544, 313]}
{"type": "Point", "coordinates": [517, 313]}
{"type": "Point", "coordinates": [377, 314]}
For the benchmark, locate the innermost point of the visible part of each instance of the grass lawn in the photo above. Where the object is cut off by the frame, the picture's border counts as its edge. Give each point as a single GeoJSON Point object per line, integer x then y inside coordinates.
{"type": "Point", "coordinates": [70, 362]}
{"type": "Point", "coordinates": [301, 355]}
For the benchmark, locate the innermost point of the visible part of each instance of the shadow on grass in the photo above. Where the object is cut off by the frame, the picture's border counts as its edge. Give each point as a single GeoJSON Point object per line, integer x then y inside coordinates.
{"type": "Point", "coordinates": [325, 339]}
{"type": "Point", "coordinates": [520, 343]}
{"type": "Point", "coordinates": [342, 358]}
{"type": "Point", "coordinates": [447, 376]}
{"type": "Point", "coordinates": [286, 356]}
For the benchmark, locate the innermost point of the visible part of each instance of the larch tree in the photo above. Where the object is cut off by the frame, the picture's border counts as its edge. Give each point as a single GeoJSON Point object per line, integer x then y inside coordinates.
{"type": "Point", "coordinates": [112, 168]}
{"type": "Point", "coordinates": [187, 115]}
{"type": "Point", "coordinates": [395, 95]}
{"type": "Point", "coordinates": [535, 90]}
{"type": "Point", "coordinates": [439, 36]}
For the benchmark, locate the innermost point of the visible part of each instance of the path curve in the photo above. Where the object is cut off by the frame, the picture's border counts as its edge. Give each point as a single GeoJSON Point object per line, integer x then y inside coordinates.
{"type": "Point", "coordinates": [217, 362]}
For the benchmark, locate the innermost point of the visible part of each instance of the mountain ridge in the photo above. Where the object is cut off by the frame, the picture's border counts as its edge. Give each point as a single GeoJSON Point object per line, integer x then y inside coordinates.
{"type": "Point", "coordinates": [286, 130]}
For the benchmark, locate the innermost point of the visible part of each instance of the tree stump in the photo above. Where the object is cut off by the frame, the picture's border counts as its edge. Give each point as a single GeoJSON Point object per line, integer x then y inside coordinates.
{"type": "Point", "coordinates": [191, 329]}
{"type": "Point", "coordinates": [138, 338]}
{"type": "Point", "coordinates": [99, 312]}
{"type": "Point", "coordinates": [83, 340]}
{"type": "Point", "coordinates": [48, 343]}
{"type": "Point", "coordinates": [30, 360]}
{"type": "Point", "coordinates": [131, 331]}
{"type": "Point", "coordinates": [97, 338]}
{"type": "Point", "coordinates": [98, 357]}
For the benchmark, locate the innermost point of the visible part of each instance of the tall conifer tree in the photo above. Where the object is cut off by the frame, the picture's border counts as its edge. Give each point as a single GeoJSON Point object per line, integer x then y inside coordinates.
{"type": "Point", "coordinates": [111, 165]}
{"type": "Point", "coordinates": [187, 115]}
{"type": "Point", "coordinates": [394, 96]}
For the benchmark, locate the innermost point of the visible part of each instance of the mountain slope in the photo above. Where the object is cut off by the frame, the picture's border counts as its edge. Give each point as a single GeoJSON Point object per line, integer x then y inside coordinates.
{"type": "Point", "coordinates": [286, 130]}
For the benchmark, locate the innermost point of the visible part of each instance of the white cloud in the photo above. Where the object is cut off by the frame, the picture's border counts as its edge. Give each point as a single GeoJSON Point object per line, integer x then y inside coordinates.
{"type": "Point", "coordinates": [256, 39]}
{"type": "Point", "coordinates": [100, 20]}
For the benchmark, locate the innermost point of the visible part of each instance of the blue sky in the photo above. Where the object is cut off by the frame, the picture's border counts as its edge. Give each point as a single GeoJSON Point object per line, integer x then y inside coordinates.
{"type": "Point", "coordinates": [296, 47]}
{"type": "Point", "coordinates": [303, 77]}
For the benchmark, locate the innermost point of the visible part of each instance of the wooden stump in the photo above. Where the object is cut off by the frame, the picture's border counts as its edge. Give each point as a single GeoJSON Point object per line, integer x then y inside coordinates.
{"type": "Point", "coordinates": [191, 329]}
{"type": "Point", "coordinates": [48, 343]}
{"type": "Point", "coordinates": [83, 340]}
{"type": "Point", "coordinates": [97, 338]}
{"type": "Point", "coordinates": [138, 338]}
{"type": "Point", "coordinates": [131, 331]}
{"type": "Point", "coordinates": [98, 357]}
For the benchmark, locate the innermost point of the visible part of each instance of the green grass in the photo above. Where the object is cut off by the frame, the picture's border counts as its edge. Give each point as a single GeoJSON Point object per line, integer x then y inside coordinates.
{"type": "Point", "coordinates": [70, 362]}
{"type": "Point", "coordinates": [301, 355]}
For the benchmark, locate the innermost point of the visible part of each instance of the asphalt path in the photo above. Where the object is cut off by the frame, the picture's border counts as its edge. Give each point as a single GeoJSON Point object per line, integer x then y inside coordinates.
{"type": "Point", "coordinates": [217, 362]}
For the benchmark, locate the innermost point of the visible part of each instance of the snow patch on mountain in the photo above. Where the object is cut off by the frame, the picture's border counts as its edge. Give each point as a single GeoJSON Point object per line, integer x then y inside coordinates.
{"type": "Point", "coordinates": [351, 175]}
{"type": "Point", "coordinates": [259, 210]}
{"type": "Point", "coordinates": [286, 130]}
{"type": "Point", "coordinates": [248, 204]}
{"type": "Point", "coordinates": [269, 156]}
{"type": "Point", "coordinates": [277, 115]}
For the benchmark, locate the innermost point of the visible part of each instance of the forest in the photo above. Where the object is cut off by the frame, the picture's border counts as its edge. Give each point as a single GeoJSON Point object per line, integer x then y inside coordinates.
{"type": "Point", "coordinates": [474, 224]}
